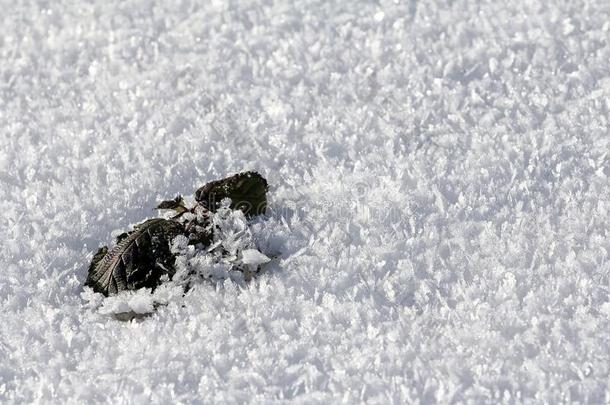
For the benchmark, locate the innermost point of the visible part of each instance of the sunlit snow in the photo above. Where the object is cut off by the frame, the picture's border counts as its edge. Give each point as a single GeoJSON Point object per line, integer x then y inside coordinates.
{"type": "Point", "coordinates": [438, 227]}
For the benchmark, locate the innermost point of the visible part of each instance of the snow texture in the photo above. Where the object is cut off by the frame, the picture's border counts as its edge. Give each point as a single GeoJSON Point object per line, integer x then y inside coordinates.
{"type": "Point", "coordinates": [440, 196]}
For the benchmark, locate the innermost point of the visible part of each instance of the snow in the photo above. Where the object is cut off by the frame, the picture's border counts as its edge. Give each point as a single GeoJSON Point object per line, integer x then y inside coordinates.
{"type": "Point", "coordinates": [253, 256]}
{"type": "Point", "coordinates": [439, 205]}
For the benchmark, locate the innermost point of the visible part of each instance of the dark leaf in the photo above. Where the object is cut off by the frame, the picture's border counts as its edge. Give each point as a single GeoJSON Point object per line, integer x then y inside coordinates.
{"type": "Point", "coordinates": [247, 191]}
{"type": "Point", "coordinates": [138, 260]}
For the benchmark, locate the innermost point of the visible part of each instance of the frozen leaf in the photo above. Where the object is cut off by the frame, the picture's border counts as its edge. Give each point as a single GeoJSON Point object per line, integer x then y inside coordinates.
{"type": "Point", "coordinates": [144, 256]}
{"type": "Point", "coordinates": [247, 192]}
{"type": "Point", "coordinates": [138, 260]}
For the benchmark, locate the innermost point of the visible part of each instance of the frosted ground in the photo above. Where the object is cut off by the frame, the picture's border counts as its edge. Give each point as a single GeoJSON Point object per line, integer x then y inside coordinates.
{"type": "Point", "coordinates": [440, 198]}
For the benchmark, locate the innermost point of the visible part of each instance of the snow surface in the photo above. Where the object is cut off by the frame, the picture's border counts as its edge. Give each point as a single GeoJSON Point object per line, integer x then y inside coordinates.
{"type": "Point", "coordinates": [440, 198]}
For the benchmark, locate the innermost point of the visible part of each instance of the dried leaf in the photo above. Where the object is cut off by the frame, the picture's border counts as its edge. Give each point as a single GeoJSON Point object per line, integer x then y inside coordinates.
{"type": "Point", "coordinates": [247, 191]}
{"type": "Point", "coordinates": [138, 260]}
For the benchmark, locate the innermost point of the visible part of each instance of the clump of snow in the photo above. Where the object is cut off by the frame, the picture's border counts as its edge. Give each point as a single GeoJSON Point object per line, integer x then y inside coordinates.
{"type": "Point", "coordinates": [439, 203]}
{"type": "Point", "coordinates": [253, 257]}
{"type": "Point", "coordinates": [139, 302]}
{"type": "Point", "coordinates": [233, 253]}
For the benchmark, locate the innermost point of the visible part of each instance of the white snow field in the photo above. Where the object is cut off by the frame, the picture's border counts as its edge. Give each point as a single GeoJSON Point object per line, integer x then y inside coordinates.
{"type": "Point", "coordinates": [439, 186]}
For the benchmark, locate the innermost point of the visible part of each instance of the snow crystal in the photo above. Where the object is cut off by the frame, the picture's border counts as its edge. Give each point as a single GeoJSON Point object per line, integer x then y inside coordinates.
{"type": "Point", "coordinates": [439, 212]}
{"type": "Point", "coordinates": [253, 256]}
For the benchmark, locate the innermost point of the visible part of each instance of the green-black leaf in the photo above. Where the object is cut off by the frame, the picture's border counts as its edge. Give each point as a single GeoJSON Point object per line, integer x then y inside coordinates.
{"type": "Point", "coordinates": [139, 259]}
{"type": "Point", "coordinates": [247, 191]}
